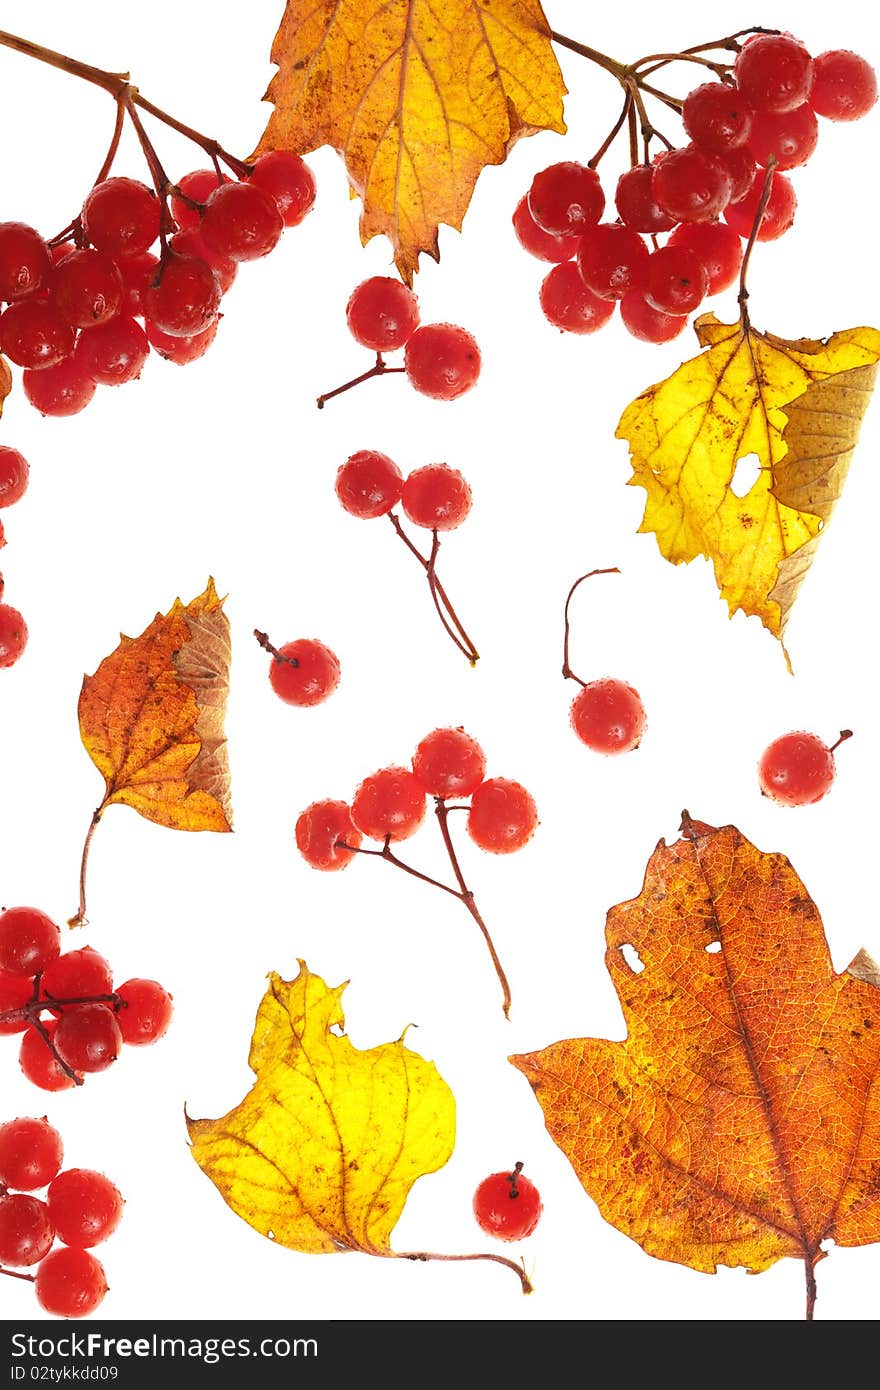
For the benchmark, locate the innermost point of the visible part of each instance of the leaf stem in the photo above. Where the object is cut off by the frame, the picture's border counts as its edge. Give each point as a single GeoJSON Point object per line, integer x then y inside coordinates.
{"type": "Point", "coordinates": [753, 236]}
{"type": "Point", "coordinates": [567, 672]}
{"type": "Point", "coordinates": [425, 1255]}
{"type": "Point", "coordinates": [80, 919]}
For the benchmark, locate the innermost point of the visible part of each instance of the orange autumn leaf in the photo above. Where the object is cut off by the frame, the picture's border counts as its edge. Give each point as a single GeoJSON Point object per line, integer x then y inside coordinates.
{"type": "Point", "coordinates": [418, 98]}
{"type": "Point", "coordinates": [739, 1120]}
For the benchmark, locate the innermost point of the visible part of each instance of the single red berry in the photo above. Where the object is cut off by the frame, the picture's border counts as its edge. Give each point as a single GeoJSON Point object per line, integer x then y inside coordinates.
{"type": "Point", "coordinates": [790, 137]}
{"type": "Point", "coordinates": [34, 334]}
{"type": "Point", "coordinates": [38, 1062]}
{"type": "Point", "coordinates": [692, 185]}
{"type": "Point", "coordinates": [436, 496]}
{"type": "Point", "coordinates": [636, 204]}
{"type": "Point", "coordinates": [774, 72]}
{"type": "Point", "coordinates": [844, 86]}
{"type": "Point", "coordinates": [87, 287]}
{"type": "Point", "coordinates": [181, 349]}
{"type": "Point", "coordinates": [778, 214]}
{"type": "Point", "coordinates": [185, 298]}
{"type": "Point", "coordinates": [507, 1205]}
{"type": "Point", "coordinates": [198, 186]}
{"type": "Point", "coordinates": [15, 992]}
{"type": "Point", "coordinates": [442, 361]}
{"type": "Point", "coordinates": [389, 803]}
{"type": "Point", "coordinates": [608, 716]}
{"type": "Point", "coordinates": [449, 763]}
{"type": "Point", "coordinates": [545, 246]}
{"type": "Point", "coordinates": [13, 635]}
{"type": "Point", "coordinates": [797, 769]}
{"type": "Point", "coordinates": [648, 324]}
{"type": "Point", "coordinates": [31, 1153]}
{"type": "Point", "coordinates": [114, 352]}
{"type": "Point", "coordinates": [323, 830]}
{"type": "Point", "coordinates": [677, 281]}
{"type": "Point", "coordinates": [137, 273]}
{"type": "Point", "coordinates": [568, 305]}
{"type": "Point", "coordinates": [25, 261]}
{"type": "Point", "coordinates": [716, 117]}
{"type": "Point", "coordinates": [382, 313]}
{"type": "Point", "coordinates": [305, 672]}
{"type": "Point", "coordinates": [242, 221]}
{"type": "Point", "coordinates": [14, 474]}
{"type": "Point", "coordinates": [740, 166]}
{"type": "Point", "coordinates": [503, 816]}
{"type": "Point", "coordinates": [146, 1013]}
{"type": "Point", "coordinates": [612, 260]}
{"type": "Point", "coordinates": [369, 484]}
{"type": "Point", "coordinates": [70, 1283]}
{"type": "Point", "coordinates": [26, 1233]}
{"type": "Point", "coordinates": [85, 1207]}
{"type": "Point", "coordinates": [62, 390]}
{"type": "Point", "coordinates": [121, 216]}
{"type": "Point", "coordinates": [290, 182]}
{"type": "Point", "coordinates": [566, 198]}
{"type": "Point", "coordinates": [76, 975]}
{"type": "Point", "coordinates": [29, 940]}
{"type": "Point", "coordinates": [190, 242]}
{"type": "Point", "coordinates": [88, 1038]}
{"type": "Point", "coordinates": [717, 245]}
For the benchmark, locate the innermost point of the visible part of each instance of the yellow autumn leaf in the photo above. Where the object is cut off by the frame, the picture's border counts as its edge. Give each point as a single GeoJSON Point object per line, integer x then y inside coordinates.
{"type": "Point", "coordinates": [324, 1148]}
{"type": "Point", "coordinates": [417, 97]}
{"type": "Point", "coordinates": [796, 406]}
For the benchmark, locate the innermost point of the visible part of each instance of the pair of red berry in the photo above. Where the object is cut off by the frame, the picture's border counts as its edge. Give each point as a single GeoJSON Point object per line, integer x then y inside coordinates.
{"type": "Point", "coordinates": [14, 473]}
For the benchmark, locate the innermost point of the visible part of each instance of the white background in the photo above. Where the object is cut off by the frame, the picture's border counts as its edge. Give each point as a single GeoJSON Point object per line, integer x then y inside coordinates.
{"type": "Point", "coordinates": [226, 468]}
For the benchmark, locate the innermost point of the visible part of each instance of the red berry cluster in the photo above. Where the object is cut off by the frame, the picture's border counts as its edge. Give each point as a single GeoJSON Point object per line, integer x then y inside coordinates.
{"type": "Point", "coordinates": [390, 805]}
{"type": "Point", "coordinates": [81, 1209]}
{"type": "Point", "coordinates": [705, 197]}
{"type": "Point", "coordinates": [85, 311]}
{"type": "Point", "coordinates": [434, 497]}
{"type": "Point", "coordinates": [441, 360]}
{"type": "Point", "coordinates": [72, 1019]}
{"type": "Point", "coordinates": [507, 1205]}
{"type": "Point", "coordinates": [13, 628]}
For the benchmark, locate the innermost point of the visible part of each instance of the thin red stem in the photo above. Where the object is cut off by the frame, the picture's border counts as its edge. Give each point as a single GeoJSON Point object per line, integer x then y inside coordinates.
{"type": "Point", "coordinates": [567, 672]}
{"type": "Point", "coordinates": [613, 133]}
{"type": "Point", "coordinates": [30, 1014]}
{"type": "Point", "coordinates": [273, 651]}
{"type": "Point", "coordinates": [14, 1274]}
{"type": "Point", "coordinates": [844, 735]}
{"type": "Point", "coordinates": [379, 368]}
{"type": "Point", "coordinates": [439, 596]}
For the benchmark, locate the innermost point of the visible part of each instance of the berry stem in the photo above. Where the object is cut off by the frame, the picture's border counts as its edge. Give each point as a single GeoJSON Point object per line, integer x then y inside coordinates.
{"type": "Point", "coordinates": [31, 1279]}
{"type": "Point", "coordinates": [29, 1013]}
{"type": "Point", "coordinates": [567, 672]}
{"type": "Point", "coordinates": [273, 651]}
{"type": "Point", "coordinates": [425, 1255]}
{"type": "Point", "coordinates": [390, 857]}
{"type": "Point", "coordinates": [380, 368]}
{"type": "Point", "coordinates": [613, 133]}
{"type": "Point", "coordinates": [445, 610]}
{"type": "Point", "coordinates": [80, 919]}
{"type": "Point", "coordinates": [753, 236]}
{"type": "Point", "coordinates": [844, 735]}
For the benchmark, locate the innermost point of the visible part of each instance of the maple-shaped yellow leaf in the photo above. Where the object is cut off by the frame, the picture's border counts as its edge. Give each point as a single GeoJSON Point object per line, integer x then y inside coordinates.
{"type": "Point", "coordinates": [152, 716]}
{"type": "Point", "coordinates": [325, 1147]}
{"type": "Point", "coordinates": [418, 96]}
{"type": "Point", "coordinates": [798, 407]}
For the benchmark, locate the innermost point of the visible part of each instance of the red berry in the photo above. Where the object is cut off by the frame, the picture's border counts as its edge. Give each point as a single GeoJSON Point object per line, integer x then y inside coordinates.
{"type": "Point", "coordinates": [64, 389]}
{"type": "Point", "coordinates": [146, 1013]}
{"type": "Point", "coordinates": [241, 221]}
{"type": "Point", "coordinates": [677, 280]}
{"type": "Point", "coordinates": [567, 303]}
{"type": "Point", "coordinates": [181, 349]}
{"type": "Point", "coordinates": [382, 314]}
{"type": "Point", "coordinates": [369, 484]}
{"type": "Point", "coordinates": [305, 672]}
{"type": "Point", "coordinates": [289, 180]}
{"type": "Point", "coordinates": [612, 260]}
{"type": "Point", "coordinates": [636, 204]}
{"type": "Point", "coordinates": [449, 763]}
{"type": "Point", "coordinates": [13, 635]}
{"type": "Point", "coordinates": [121, 216]}
{"type": "Point", "coordinates": [648, 324]}
{"type": "Point", "coordinates": [740, 166]}
{"type": "Point", "coordinates": [197, 185]}
{"type": "Point", "coordinates": [503, 816]}
{"type": "Point", "coordinates": [14, 473]}
{"type": "Point", "coordinates": [137, 273]}
{"type": "Point", "coordinates": [15, 992]}
{"type": "Point", "coordinates": [442, 361]}
{"type": "Point", "coordinates": [608, 716]}
{"type": "Point", "coordinates": [718, 247]}
{"type": "Point", "coordinates": [774, 72]}
{"type": "Point", "coordinates": [389, 803]}
{"type": "Point", "coordinates": [85, 1207]}
{"type": "Point", "coordinates": [70, 1283]}
{"type": "Point", "coordinates": [34, 334]}
{"type": "Point", "coordinates": [566, 198]}
{"type": "Point", "coordinates": [88, 1038]}
{"type": "Point", "coordinates": [545, 246]}
{"type": "Point", "coordinates": [25, 261]}
{"type": "Point", "coordinates": [790, 137]}
{"type": "Point", "coordinates": [31, 1153]}
{"type": "Point", "coordinates": [185, 298]}
{"type": "Point", "coordinates": [691, 185]}
{"type": "Point", "coordinates": [507, 1205]}
{"type": "Point", "coordinates": [716, 117]}
{"type": "Point", "coordinates": [796, 769]}
{"type": "Point", "coordinates": [87, 287]}
{"type": "Point", "coordinates": [114, 352]}
{"type": "Point", "coordinates": [319, 830]}
{"type": "Point", "coordinates": [778, 214]}
{"type": "Point", "coordinates": [436, 497]}
{"type": "Point", "coordinates": [844, 86]}
{"type": "Point", "coordinates": [76, 975]}
{"type": "Point", "coordinates": [29, 940]}
{"type": "Point", "coordinates": [39, 1064]}
{"type": "Point", "coordinates": [26, 1233]}
{"type": "Point", "coordinates": [190, 242]}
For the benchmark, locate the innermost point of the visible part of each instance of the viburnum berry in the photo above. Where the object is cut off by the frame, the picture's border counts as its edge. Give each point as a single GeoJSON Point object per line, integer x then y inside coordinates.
{"type": "Point", "coordinates": [369, 484]}
{"type": "Point", "coordinates": [382, 313]}
{"type": "Point", "coordinates": [647, 323]}
{"type": "Point", "coordinates": [31, 1153]}
{"type": "Point", "coordinates": [184, 298]}
{"type": "Point", "coordinates": [198, 185]}
{"type": "Point", "coordinates": [85, 1207]}
{"type": "Point", "coordinates": [716, 117]}
{"type": "Point", "coordinates": [242, 221]}
{"type": "Point", "coordinates": [61, 390]}
{"type": "Point", "coordinates": [436, 496]}
{"type": "Point", "coordinates": [13, 635]}
{"type": "Point", "coordinates": [740, 167]}
{"type": "Point", "coordinates": [566, 198]}
{"type": "Point", "coordinates": [87, 287]}
{"type": "Point", "coordinates": [25, 261]}
{"type": "Point", "coordinates": [304, 672]}
{"type": "Point", "coordinates": [718, 247]}
{"type": "Point", "coordinates": [677, 281]}
{"type": "Point", "coordinates": [507, 1205]}
{"type": "Point", "coordinates": [502, 817]}
{"type": "Point", "coordinates": [636, 204]}
{"type": "Point", "coordinates": [544, 246]}
{"type": "Point", "coordinates": [789, 137]}
{"type": "Point", "coordinates": [15, 992]}
{"type": "Point", "coordinates": [175, 347]}
{"type": "Point", "coordinates": [190, 242]}
{"type": "Point", "coordinates": [114, 352]}
{"type": "Point", "coordinates": [121, 216]}
{"type": "Point", "coordinates": [798, 768]}
{"type": "Point", "coordinates": [26, 1233]}
{"type": "Point", "coordinates": [34, 334]}
{"type": "Point", "coordinates": [389, 803]}
{"type": "Point", "coordinates": [844, 86]}
{"type": "Point", "coordinates": [567, 303]}
{"type": "Point", "coordinates": [691, 184]}
{"type": "Point", "coordinates": [76, 974]}
{"type": "Point", "coordinates": [320, 832]}
{"type": "Point", "coordinates": [14, 473]}
{"type": "Point", "coordinates": [290, 182]}
{"type": "Point", "coordinates": [137, 273]}
{"type": "Point", "coordinates": [612, 260]}
{"type": "Point", "coordinates": [442, 360]}
{"type": "Point", "coordinates": [774, 72]}
{"type": "Point", "coordinates": [88, 1037]}
{"type": "Point", "coordinates": [449, 763]}
{"type": "Point", "coordinates": [608, 716]}
{"type": "Point", "coordinates": [29, 940]}
{"type": "Point", "coordinates": [778, 215]}
{"type": "Point", "coordinates": [146, 1012]}
{"type": "Point", "coordinates": [70, 1283]}
{"type": "Point", "coordinates": [38, 1062]}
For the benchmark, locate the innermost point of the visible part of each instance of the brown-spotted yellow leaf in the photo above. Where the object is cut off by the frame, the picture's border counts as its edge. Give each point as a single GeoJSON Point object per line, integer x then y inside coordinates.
{"type": "Point", "coordinates": [326, 1145]}
{"type": "Point", "coordinates": [796, 406]}
{"type": "Point", "coordinates": [418, 96]}
{"type": "Point", "coordinates": [739, 1120]}
{"type": "Point", "coordinates": [151, 718]}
